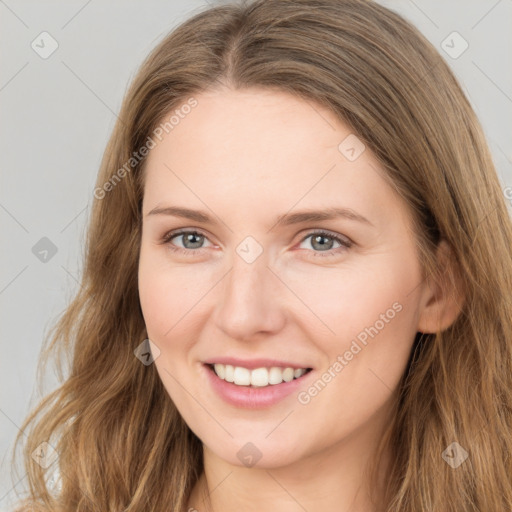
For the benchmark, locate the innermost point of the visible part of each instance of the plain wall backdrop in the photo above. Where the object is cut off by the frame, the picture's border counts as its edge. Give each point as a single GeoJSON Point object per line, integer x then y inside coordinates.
{"type": "Point", "coordinates": [65, 69]}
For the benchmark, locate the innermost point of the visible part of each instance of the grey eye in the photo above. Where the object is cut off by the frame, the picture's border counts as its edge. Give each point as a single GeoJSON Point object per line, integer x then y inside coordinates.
{"type": "Point", "coordinates": [318, 241]}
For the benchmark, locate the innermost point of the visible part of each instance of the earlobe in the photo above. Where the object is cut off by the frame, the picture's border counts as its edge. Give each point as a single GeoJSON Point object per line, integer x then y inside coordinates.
{"type": "Point", "coordinates": [444, 295]}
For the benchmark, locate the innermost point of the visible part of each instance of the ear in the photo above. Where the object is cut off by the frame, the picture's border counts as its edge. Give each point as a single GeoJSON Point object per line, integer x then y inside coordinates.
{"type": "Point", "coordinates": [443, 297]}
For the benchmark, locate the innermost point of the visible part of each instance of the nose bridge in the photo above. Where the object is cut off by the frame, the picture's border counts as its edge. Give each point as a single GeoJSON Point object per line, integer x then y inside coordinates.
{"type": "Point", "coordinates": [247, 304]}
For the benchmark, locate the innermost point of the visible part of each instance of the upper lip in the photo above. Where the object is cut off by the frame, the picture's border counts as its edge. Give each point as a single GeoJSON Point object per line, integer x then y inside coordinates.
{"type": "Point", "coordinates": [254, 363]}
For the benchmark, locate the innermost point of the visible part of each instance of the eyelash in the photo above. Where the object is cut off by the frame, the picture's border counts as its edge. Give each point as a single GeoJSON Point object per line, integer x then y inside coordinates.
{"type": "Point", "coordinates": [345, 243]}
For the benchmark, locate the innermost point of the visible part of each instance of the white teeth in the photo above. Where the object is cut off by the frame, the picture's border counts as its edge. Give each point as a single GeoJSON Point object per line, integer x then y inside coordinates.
{"type": "Point", "coordinates": [220, 370]}
{"type": "Point", "coordinates": [229, 373]}
{"type": "Point", "coordinates": [275, 375]}
{"type": "Point", "coordinates": [259, 377]}
{"type": "Point", "coordinates": [242, 376]}
{"type": "Point", "coordinates": [288, 374]}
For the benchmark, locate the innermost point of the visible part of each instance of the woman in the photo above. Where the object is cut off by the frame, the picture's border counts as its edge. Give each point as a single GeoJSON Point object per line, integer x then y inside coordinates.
{"type": "Point", "coordinates": [340, 337]}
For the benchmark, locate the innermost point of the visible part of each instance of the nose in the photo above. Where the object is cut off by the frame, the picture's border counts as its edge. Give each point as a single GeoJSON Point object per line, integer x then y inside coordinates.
{"type": "Point", "coordinates": [250, 300]}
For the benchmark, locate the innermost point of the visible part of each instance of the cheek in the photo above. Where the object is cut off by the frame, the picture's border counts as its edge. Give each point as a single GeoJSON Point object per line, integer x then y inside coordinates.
{"type": "Point", "coordinates": [375, 324]}
{"type": "Point", "coordinates": [165, 298]}
{"type": "Point", "coordinates": [364, 361]}
{"type": "Point", "coordinates": [364, 311]}
{"type": "Point", "coordinates": [159, 299]}
{"type": "Point", "coordinates": [155, 302]}
{"type": "Point", "coordinates": [343, 302]}
{"type": "Point", "coordinates": [170, 295]}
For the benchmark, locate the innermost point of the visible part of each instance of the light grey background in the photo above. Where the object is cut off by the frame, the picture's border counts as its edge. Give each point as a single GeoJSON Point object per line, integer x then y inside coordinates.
{"type": "Point", "coordinates": [57, 114]}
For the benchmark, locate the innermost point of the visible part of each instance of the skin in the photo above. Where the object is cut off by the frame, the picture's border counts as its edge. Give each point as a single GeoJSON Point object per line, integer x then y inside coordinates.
{"type": "Point", "coordinates": [246, 157]}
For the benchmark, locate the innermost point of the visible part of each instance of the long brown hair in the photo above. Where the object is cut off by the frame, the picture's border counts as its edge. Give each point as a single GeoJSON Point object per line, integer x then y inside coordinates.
{"type": "Point", "coordinates": [121, 442]}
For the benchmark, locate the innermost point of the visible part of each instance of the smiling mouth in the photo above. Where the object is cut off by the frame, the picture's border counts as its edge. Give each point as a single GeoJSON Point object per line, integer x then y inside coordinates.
{"type": "Point", "coordinates": [258, 377]}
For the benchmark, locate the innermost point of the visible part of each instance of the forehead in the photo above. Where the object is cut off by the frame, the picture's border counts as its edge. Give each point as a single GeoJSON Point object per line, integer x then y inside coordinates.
{"type": "Point", "coordinates": [247, 148]}
{"type": "Point", "coordinates": [249, 127]}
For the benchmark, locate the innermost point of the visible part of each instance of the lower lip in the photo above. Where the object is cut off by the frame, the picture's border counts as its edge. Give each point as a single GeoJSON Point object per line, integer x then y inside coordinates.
{"type": "Point", "coordinates": [252, 397]}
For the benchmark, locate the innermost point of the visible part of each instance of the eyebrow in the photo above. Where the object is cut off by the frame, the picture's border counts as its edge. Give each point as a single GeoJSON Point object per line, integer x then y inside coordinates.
{"type": "Point", "coordinates": [286, 219]}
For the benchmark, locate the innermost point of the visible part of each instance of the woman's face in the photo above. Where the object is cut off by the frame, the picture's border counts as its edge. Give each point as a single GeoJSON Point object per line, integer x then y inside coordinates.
{"type": "Point", "coordinates": [346, 304]}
